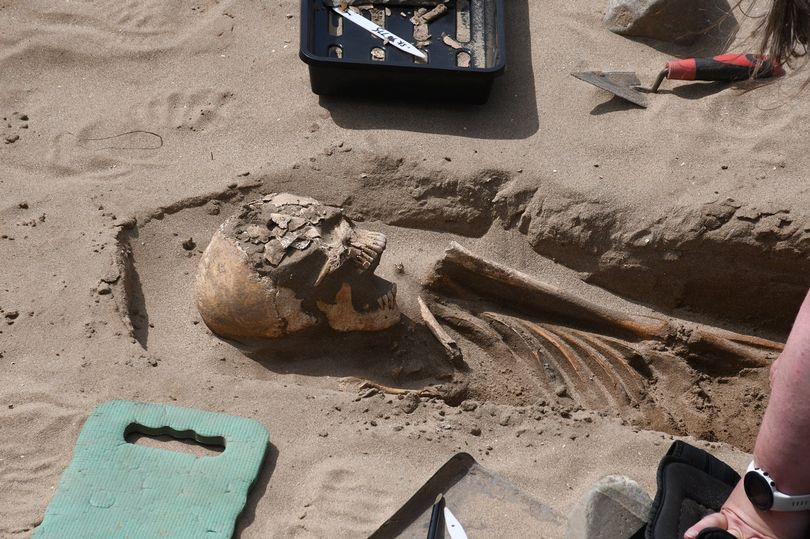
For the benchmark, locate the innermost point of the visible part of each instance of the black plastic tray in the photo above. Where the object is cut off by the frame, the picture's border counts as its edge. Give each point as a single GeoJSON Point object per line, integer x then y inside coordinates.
{"type": "Point", "coordinates": [340, 61]}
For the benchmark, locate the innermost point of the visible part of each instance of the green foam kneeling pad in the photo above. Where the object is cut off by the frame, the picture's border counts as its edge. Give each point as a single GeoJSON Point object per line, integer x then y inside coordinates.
{"type": "Point", "coordinates": [116, 489]}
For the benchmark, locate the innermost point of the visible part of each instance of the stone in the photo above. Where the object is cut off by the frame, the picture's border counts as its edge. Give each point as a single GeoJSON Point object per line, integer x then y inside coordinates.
{"type": "Point", "coordinates": [677, 21]}
{"type": "Point", "coordinates": [615, 506]}
{"type": "Point", "coordinates": [409, 403]}
{"type": "Point", "coordinates": [212, 207]}
{"type": "Point", "coordinates": [469, 405]}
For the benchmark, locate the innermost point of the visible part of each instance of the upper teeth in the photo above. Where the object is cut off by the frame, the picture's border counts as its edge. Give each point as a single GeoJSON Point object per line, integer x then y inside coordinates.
{"type": "Point", "coordinates": [388, 301]}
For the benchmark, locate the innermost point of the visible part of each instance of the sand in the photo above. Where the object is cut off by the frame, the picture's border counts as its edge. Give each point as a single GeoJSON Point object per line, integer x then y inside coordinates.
{"type": "Point", "coordinates": [123, 121]}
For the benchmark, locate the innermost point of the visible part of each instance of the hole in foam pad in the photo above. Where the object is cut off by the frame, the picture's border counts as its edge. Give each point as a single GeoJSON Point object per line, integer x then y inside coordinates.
{"type": "Point", "coordinates": [180, 441]}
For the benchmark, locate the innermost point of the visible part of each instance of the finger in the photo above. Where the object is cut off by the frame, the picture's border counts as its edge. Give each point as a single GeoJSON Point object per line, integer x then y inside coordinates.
{"type": "Point", "coordinates": [715, 520]}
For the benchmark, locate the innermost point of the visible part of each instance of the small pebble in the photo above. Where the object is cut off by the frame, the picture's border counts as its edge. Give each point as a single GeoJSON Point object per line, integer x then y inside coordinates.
{"type": "Point", "coordinates": [409, 403]}
{"type": "Point", "coordinates": [212, 207]}
{"type": "Point", "coordinates": [189, 244]}
{"type": "Point", "coordinates": [469, 406]}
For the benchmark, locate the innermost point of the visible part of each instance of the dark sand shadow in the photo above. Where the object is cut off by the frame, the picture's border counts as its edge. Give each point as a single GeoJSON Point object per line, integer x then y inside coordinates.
{"type": "Point", "coordinates": [407, 355]}
{"type": "Point", "coordinates": [257, 491]}
{"type": "Point", "coordinates": [511, 112]}
{"type": "Point", "coordinates": [682, 89]}
{"type": "Point", "coordinates": [136, 302]}
{"type": "Point", "coordinates": [617, 104]}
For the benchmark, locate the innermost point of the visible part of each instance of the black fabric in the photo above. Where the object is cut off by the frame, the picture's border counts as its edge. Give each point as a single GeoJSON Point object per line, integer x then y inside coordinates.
{"type": "Point", "coordinates": [691, 484]}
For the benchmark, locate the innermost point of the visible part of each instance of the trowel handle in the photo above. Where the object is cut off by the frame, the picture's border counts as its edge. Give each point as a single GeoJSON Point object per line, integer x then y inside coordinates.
{"type": "Point", "coordinates": [723, 68]}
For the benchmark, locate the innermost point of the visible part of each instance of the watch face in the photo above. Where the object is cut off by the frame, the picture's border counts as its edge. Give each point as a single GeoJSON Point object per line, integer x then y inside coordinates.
{"type": "Point", "coordinates": [758, 490]}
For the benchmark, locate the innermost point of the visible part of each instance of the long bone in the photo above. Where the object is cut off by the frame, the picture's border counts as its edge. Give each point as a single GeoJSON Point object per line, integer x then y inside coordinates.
{"type": "Point", "coordinates": [461, 270]}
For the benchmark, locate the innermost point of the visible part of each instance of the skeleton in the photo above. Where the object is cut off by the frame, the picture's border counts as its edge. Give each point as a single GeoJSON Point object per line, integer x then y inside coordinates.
{"type": "Point", "coordinates": [286, 264]}
{"type": "Point", "coordinates": [655, 370]}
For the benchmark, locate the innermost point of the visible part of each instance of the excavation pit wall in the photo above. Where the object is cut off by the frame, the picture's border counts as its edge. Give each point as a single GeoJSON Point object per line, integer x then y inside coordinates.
{"type": "Point", "coordinates": [722, 263]}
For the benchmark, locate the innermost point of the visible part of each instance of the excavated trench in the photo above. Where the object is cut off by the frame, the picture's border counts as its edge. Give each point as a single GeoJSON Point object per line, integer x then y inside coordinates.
{"type": "Point", "coordinates": [723, 264]}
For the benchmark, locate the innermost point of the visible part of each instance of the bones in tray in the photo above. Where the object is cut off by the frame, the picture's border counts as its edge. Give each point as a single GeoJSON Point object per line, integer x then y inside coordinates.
{"type": "Point", "coordinates": [459, 47]}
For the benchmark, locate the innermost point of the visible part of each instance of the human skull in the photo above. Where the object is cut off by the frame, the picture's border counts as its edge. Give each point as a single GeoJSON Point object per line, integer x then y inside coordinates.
{"type": "Point", "coordinates": [287, 263]}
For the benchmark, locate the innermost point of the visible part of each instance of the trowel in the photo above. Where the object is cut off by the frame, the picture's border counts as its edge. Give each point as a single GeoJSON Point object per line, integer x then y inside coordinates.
{"type": "Point", "coordinates": [722, 68]}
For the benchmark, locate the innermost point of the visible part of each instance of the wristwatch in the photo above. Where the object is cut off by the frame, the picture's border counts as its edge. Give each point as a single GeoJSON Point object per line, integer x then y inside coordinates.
{"type": "Point", "coordinates": [763, 494]}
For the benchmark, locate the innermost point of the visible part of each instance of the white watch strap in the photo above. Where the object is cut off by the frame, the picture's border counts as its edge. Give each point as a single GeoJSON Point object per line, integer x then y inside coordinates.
{"type": "Point", "coordinates": [781, 501]}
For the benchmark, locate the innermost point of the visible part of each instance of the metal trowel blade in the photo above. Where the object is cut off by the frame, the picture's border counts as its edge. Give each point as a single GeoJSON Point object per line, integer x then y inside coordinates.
{"type": "Point", "coordinates": [618, 83]}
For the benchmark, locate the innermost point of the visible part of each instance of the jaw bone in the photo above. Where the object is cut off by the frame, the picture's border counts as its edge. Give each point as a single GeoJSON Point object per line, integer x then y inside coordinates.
{"type": "Point", "coordinates": [342, 316]}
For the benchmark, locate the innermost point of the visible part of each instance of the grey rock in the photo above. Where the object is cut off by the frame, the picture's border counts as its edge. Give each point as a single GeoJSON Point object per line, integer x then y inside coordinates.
{"type": "Point", "coordinates": [615, 507]}
{"type": "Point", "coordinates": [469, 405]}
{"type": "Point", "coordinates": [409, 403]}
{"type": "Point", "coordinates": [678, 21]}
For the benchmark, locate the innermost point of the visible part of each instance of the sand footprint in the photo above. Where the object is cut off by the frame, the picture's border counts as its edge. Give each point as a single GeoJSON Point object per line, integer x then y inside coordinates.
{"type": "Point", "coordinates": [188, 110]}
{"type": "Point", "coordinates": [102, 151]}
{"type": "Point", "coordinates": [133, 25]}
{"type": "Point", "coordinates": [113, 149]}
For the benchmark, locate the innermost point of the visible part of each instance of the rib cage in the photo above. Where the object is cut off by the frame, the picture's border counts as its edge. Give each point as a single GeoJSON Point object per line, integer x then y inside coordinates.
{"type": "Point", "coordinates": [654, 371]}
{"type": "Point", "coordinates": [592, 369]}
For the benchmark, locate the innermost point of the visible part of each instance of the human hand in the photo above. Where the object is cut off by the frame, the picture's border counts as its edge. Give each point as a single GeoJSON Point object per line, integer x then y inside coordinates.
{"type": "Point", "coordinates": [744, 521]}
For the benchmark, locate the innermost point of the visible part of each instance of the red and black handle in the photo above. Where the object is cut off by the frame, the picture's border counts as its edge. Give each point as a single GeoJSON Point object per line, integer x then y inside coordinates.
{"type": "Point", "coordinates": [722, 68]}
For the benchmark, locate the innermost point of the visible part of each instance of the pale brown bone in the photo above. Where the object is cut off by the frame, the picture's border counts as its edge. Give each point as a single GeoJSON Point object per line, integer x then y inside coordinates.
{"type": "Point", "coordinates": [448, 343]}
{"type": "Point", "coordinates": [657, 366]}
{"type": "Point", "coordinates": [287, 263]}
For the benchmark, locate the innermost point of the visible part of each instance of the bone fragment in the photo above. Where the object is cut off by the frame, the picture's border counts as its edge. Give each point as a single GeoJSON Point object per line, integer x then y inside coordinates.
{"type": "Point", "coordinates": [717, 342]}
{"type": "Point", "coordinates": [420, 21]}
{"type": "Point", "coordinates": [450, 42]}
{"type": "Point", "coordinates": [435, 13]}
{"type": "Point", "coordinates": [274, 253]}
{"type": "Point", "coordinates": [449, 344]}
{"type": "Point", "coordinates": [449, 393]}
{"type": "Point", "coordinates": [283, 199]}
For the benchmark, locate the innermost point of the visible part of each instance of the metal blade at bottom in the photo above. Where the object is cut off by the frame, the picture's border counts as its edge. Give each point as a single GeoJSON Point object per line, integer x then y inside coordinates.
{"type": "Point", "coordinates": [619, 83]}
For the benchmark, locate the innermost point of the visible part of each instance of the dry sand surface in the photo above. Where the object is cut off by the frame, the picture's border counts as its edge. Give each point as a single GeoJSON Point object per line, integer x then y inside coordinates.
{"type": "Point", "coordinates": [130, 127]}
